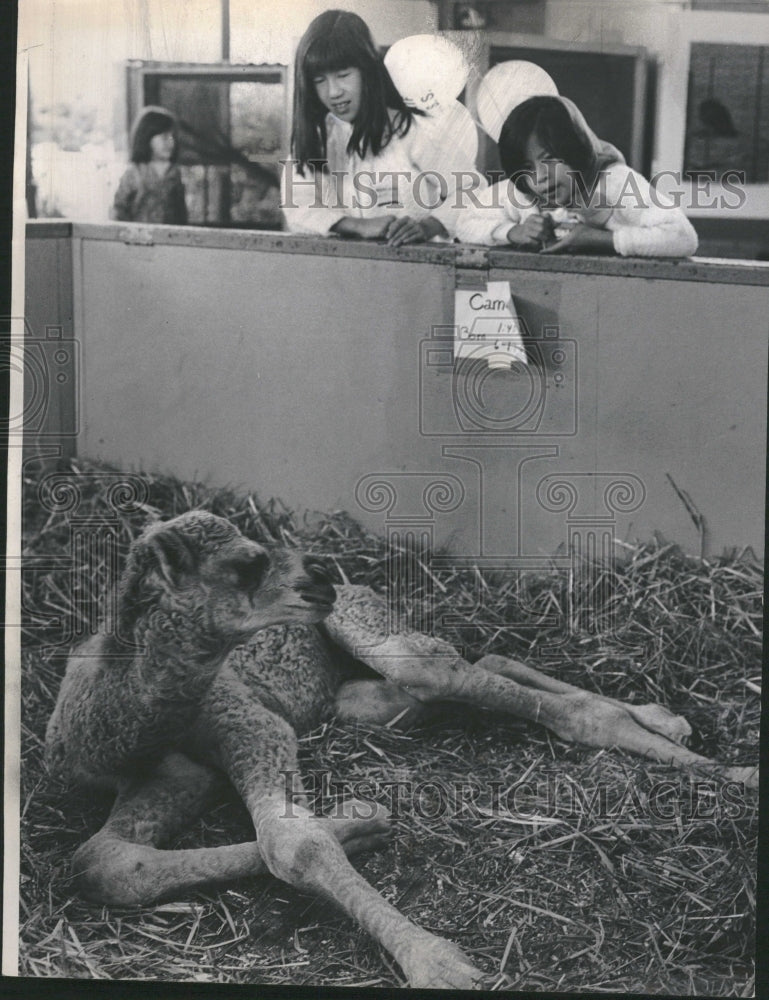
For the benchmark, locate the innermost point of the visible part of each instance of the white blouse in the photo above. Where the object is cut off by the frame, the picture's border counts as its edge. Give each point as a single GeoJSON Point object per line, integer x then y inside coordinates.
{"type": "Point", "coordinates": [425, 172]}
{"type": "Point", "coordinates": [643, 222]}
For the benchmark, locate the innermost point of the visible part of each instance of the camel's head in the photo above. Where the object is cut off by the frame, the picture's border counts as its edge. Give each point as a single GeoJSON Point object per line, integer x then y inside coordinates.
{"type": "Point", "coordinates": [200, 569]}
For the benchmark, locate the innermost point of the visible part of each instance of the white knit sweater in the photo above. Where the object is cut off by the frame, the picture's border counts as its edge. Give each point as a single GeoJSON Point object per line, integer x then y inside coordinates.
{"type": "Point", "coordinates": [643, 222]}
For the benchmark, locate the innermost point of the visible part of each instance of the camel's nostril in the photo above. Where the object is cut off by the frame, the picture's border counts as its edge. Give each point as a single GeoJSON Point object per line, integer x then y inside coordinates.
{"type": "Point", "coordinates": [316, 572]}
{"type": "Point", "coordinates": [316, 587]}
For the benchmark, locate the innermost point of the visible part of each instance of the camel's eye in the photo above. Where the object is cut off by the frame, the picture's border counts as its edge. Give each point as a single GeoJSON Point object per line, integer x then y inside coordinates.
{"type": "Point", "coordinates": [249, 572]}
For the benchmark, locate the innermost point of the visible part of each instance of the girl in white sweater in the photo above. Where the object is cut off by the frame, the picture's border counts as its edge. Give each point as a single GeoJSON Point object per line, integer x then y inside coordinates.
{"type": "Point", "coordinates": [567, 191]}
{"type": "Point", "coordinates": [364, 163]}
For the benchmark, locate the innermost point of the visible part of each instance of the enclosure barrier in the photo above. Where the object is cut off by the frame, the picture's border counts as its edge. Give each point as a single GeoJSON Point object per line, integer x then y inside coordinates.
{"type": "Point", "coordinates": [322, 372]}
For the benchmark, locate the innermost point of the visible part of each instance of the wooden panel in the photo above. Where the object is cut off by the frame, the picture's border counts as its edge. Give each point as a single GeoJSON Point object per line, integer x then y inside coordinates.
{"type": "Point", "coordinates": [321, 372]}
{"type": "Point", "coordinates": [52, 352]}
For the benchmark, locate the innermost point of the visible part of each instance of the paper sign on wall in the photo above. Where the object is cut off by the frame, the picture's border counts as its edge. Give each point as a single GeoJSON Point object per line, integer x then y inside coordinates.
{"type": "Point", "coordinates": [486, 326]}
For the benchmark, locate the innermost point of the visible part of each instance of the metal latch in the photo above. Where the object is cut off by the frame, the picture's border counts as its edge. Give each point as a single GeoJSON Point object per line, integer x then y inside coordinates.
{"type": "Point", "coordinates": [472, 257]}
{"type": "Point", "coordinates": [137, 236]}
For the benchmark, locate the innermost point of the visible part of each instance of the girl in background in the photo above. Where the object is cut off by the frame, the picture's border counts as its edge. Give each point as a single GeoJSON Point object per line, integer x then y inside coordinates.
{"type": "Point", "coordinates": [151, 189]}
{"type": "Point", "coordinates": [560, 174]}
{"type": "Point", "coordinates": [364, 163]}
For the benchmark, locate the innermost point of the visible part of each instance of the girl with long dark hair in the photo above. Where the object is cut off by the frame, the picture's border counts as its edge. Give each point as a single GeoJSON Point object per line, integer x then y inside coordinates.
{"type": "Point", "coordinates": [363, 162]}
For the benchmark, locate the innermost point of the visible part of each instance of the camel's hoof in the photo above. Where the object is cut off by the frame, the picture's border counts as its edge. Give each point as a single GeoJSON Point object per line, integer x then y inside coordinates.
{"type": "Point", "coordinates": [360, 813]}
{"type": "Point", "coordinates": [359, 825]}
{"type": "Point", "coordinates": [437, 964]}
{"type": "Point", "coordinates": [660, 720]}
{"type": "Point", "coordinates": [747, 776]}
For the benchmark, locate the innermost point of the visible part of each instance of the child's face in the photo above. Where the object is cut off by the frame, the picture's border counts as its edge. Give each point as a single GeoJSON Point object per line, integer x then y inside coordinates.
{"type": "Point", "coordinates": [162, 145]}
{"type": "Point", "coordinates": [549, 179]}
{"type": "Point", "coordinates": [340, 91]}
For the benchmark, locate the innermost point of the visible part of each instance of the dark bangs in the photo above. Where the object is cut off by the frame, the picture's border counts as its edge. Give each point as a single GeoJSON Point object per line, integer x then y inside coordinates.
{"type": "Point", "coordinates": [339, 47]}
{"type": "Point", "coordinates": [337, 40]}
{"type": "Point", "coordinates": [149, 124]}
{"type": "Point", "coordinates": [549, 120]}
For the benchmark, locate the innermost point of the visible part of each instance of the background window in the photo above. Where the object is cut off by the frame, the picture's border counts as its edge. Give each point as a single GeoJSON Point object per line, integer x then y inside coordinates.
{"type": "Point", "coordinates": [727, 113]}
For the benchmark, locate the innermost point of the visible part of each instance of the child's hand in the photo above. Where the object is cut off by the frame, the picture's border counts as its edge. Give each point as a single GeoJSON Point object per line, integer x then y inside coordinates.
{"type": "Point", "coordinates": [376, 228]}
{"type": "Point", "coordinates": [533, 233]}
{"type": "Point", "coordinates": [583, 239]}
{"type": "Point", "coordinates": [363, 229]}
{"type": "Point", "coordinates": [407, 230]}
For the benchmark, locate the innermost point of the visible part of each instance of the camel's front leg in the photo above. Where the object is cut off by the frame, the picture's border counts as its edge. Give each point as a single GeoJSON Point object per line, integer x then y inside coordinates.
{"type": "Point", "coordinates": [430, 669]}
{"type": "Point", "coordinates": [302, 852]}
{"type": "Point", "coordinates": [257, 749]}
{"type": "Point", "coordinates": [124, 864]}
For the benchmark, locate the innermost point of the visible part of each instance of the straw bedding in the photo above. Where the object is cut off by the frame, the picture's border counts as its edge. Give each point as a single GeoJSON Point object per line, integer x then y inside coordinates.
{"type": "Point", "coordinates": [556, 868]}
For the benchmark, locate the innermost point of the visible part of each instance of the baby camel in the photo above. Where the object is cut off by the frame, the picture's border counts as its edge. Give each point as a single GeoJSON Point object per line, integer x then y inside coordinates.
{"type": "Point", "coordinates": [217, 661]}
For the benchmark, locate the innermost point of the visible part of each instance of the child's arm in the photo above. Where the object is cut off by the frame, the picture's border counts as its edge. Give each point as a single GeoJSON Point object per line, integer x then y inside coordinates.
{"type": "Point", "coordinates": [122, 208]}
{"type": "Point", "coordinates": [312, 206]}
{"type": "Point", "coordinates": [583, 239]}
{"type": "Point", "coordinates": [308, 202]}
{"type": "Point", "coordinates": [643, 223]}
{"type": "Point", "coordinates": [373, 228]}
{"type": "Point", "coordinates": [492, 219]}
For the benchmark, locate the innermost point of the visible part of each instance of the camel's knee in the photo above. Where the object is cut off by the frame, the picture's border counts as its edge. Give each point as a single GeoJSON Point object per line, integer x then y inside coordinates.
{"type": "Point", "coordinates": [294, 847]}
{"type": "Point", "coordinates": [493, 662]}
{"type": "Point", "coordinates": [113, 871]}
{"type": "Point", "coordinates": [377, 703]}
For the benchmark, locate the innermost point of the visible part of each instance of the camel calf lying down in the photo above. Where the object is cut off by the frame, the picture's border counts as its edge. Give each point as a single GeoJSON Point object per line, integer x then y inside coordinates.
{"type": "Point", "coordinates": [213, 688]}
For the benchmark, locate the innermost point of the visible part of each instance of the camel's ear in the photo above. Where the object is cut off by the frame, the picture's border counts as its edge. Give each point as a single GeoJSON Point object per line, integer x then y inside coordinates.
{"type": "Point", "coordinates": [155, 561]}
{"type": "Point", "coordinates": [173, 555]}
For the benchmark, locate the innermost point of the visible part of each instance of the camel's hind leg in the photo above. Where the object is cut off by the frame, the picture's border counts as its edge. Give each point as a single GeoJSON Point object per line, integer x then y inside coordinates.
{"type": "Point", "coordinates": [257, 749]}
{"type": "Point", "coordinates": [653, 717]}
{"type": "Point", "coordinates": [378, 703]}
{"type": "Point", "coordinates": [430, 669]}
